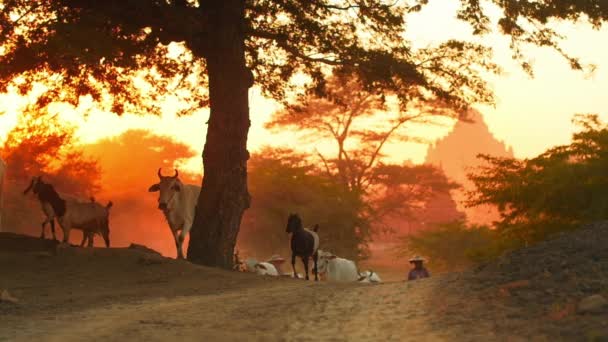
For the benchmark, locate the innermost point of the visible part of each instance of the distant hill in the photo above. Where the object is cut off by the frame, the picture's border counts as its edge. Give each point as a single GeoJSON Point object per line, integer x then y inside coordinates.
{"type": "Point", "coordinates": [457, 152]}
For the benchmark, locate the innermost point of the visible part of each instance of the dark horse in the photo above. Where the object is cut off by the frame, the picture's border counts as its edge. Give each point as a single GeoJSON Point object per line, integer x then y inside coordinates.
{"type": "Point", "coordinates": [304, 243]}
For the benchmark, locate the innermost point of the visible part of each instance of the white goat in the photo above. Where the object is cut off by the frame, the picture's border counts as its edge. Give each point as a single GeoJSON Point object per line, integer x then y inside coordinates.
{"type": "Point", "coordinates": [337, 269]}
{"type": "Point", "coordinates": [177, 201]}
{"type": "Point", "coordinates": [266, 268]}
{"type": "Point", "coordinates": [369, 277]}
{"type": "Point", "coordinates": [90, 217]}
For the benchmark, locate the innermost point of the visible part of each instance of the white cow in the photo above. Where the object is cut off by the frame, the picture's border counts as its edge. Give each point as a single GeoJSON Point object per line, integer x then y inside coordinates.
{"type": "Point", "coordinates": [369, 277]}
{"type": "Point", "coordinates": [177, 201]}
{"type": "Point", "coordinates": [2, 171]}
{"type": "Point", "coordinates": [266, 268]}
{"type": "Point", "coordinates": [337, 269]}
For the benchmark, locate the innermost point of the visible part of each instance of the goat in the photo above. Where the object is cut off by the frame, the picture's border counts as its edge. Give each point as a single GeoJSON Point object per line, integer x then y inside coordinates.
{"type": "Point", "coordinates": [369, 277]}
{"type": "Point", "coordinates": [90, 217]}
{"type": "Point", "coordinates": [266, 268]}
{"type": "Point", "coordinates": [178, 202]}
{"type": "Point", "coordinates": [100, 225]}
{"type": "Point", "coordinates": [2, 171]}
{"type": "Point", "coordinates": [50, 202]}
{"type": "Point", "coordinates": [304, 243]}
{"type": "Point", "coordinates": [337, 269]}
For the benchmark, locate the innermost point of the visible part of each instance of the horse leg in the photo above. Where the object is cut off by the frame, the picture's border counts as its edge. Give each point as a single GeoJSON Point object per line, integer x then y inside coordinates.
{"type": "Point", "coordinates": [305, 261]}
{"type": "Point", "coordinates": [293, 264]}
{"type": "Point", "coordinates": [315, 258]}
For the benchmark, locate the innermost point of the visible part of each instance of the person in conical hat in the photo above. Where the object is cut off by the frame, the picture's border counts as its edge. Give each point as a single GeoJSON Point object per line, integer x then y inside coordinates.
{"type": "Point", "coordinates": [419, 271]}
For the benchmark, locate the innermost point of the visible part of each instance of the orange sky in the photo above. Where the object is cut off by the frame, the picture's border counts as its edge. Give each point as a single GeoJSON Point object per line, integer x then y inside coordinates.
{"type": "Point", "coordinates": [531, 114]}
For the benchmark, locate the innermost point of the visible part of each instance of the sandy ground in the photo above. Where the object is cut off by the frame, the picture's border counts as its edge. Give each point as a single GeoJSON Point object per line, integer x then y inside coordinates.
{"type": "Point", "coordinates": [74, 294]}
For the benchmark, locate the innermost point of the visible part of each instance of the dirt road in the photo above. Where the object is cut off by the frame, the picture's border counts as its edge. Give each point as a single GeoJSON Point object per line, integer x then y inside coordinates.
{"type": "Point", "coordinates": [72, 294]}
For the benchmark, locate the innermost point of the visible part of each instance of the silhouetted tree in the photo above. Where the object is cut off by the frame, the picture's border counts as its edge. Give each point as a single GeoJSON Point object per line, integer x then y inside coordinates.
{"type": "Point", "coordinates": [360, 125]}
{"type": "Point", "coordinates": [560, 189]}
{"type": "Point", "coordinates": [41, 145]}
{"type": "Point", "coordinates": [103, 49]}
{"type": "Point", "coordinates": [282, 182]}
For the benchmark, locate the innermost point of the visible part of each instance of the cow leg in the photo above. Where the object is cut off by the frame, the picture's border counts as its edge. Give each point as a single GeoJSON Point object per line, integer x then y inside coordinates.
{"type": "Point", "coordinates": [178, 245]}
{"type": "Point", "coordinates": [305, 261]}
{"type": "Point", "coordinates": [84, 238]}
{"type": "Point", "coordinates": [315, 258]}
{"type": "Point", "coordinates": [181, 238]}
{"type": "Point", "coordinates": [293, 264]}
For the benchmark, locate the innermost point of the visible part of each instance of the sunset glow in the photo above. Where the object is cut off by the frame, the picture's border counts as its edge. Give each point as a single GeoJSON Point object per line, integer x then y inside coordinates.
{"type": "Point", "coordinates": [531, 114]}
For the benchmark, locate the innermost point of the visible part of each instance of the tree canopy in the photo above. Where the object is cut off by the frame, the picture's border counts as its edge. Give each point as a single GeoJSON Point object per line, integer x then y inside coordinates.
{"type": "Point", "coordinates": [41, 145]}
{"type": "Point", "coordinates": [559, 189]}
{"type": "Point", "coordinates": [120, 52]}
{"type": "Point", "coordinates": [127, 55]}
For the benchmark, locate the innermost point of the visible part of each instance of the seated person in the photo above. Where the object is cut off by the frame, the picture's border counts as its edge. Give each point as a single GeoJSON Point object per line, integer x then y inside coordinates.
{"type": "Point", "coordinates": [418, 272]}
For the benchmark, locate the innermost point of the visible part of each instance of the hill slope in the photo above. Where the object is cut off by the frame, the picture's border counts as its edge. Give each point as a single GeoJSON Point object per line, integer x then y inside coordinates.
{"type": "Point", "coordinates": [69, 294]}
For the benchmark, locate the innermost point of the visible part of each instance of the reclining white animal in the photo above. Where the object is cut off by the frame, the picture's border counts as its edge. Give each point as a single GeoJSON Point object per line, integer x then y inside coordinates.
{"type": "Point", "coordinates": [266, 268]}
{"type": "Point", "coordinates": [337, 269]}
{"type": "Point", "coordinates": [177, 201]}
{"type": "Point", "coordinates": [369, 277]}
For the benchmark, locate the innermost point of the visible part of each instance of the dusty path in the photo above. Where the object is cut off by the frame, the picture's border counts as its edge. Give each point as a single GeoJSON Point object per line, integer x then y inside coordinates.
{"type": "Point", "coordinates": [73, 294]}
{"type": "Point", "coordinates": [291, 311]}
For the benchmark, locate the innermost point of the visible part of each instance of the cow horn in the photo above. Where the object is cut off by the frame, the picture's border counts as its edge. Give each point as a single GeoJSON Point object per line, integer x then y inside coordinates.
{"type": "Point", "coordinates": [159, 174]}
{"type": "Point", "coordinates": [176, 174]}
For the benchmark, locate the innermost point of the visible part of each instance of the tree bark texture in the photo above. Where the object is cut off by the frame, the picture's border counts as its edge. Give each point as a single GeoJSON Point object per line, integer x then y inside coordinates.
{"type": "Point", "coordinates": [224, 196]}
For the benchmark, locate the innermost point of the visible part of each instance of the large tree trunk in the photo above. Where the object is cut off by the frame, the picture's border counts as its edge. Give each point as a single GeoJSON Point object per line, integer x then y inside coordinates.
{"type": "Point", "coordinates": [224, 196]}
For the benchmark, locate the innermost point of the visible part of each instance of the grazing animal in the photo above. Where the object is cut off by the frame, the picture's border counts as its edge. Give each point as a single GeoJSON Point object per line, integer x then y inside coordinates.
{"type": "Point", "coordinates": [337, 269]}
{"type": "Point", "coordinates": [266, 268]}
{"type": "Point", "coordinates": [304, 243]}
{"type": "Point", "coordinates": [90, 217]}
{"type": "Point", "coordinates": [177, 202]}
{"type": "Point", "coordinates": [2, 171]}
{"type": "Point", "coordinates": [369, 277]}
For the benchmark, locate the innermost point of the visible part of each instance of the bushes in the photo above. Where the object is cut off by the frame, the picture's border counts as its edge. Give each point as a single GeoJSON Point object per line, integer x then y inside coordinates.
{"type": "Point", "coordinates": [561, 189]}
{"type": "Point", "coordinates": [453, 246]}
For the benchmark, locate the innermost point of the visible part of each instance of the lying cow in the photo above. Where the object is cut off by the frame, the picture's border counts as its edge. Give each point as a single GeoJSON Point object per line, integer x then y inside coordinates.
{"type": "Point", "coordinates": [337, 269]}
{"type": "Point", "coordinates": [177, 202]}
